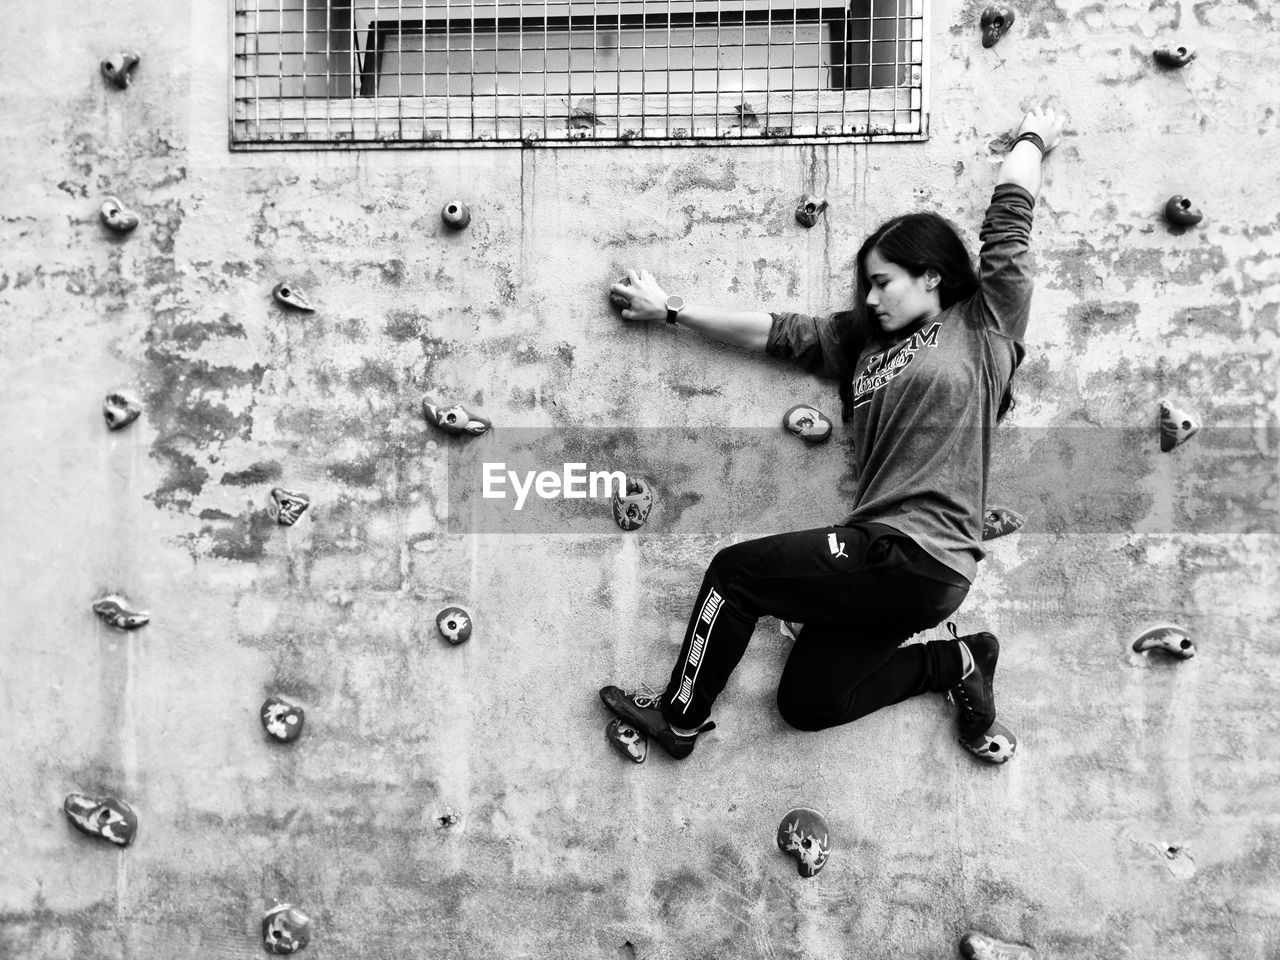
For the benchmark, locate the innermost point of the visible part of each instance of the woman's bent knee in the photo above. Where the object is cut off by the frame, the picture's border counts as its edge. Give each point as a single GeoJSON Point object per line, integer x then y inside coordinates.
{"type": "Point", "coordinates": [802, 716]}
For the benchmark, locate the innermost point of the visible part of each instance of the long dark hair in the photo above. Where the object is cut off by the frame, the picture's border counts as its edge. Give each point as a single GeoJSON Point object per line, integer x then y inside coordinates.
{"type": "Point", "coordinates": [917, 242]}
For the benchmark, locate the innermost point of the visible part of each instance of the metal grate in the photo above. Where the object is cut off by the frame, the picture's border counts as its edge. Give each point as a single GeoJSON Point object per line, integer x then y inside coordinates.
{"type": "Point", "coordinates": [317, 73]}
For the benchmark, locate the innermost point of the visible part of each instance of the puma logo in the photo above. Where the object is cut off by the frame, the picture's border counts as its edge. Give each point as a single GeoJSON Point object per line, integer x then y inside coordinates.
{"type": "Point", "coordinates": [836, 546]}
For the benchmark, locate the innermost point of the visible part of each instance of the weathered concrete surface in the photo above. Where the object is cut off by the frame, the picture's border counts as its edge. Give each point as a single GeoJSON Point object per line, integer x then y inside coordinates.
{"type": "Point", "coordinates": [562, 849]}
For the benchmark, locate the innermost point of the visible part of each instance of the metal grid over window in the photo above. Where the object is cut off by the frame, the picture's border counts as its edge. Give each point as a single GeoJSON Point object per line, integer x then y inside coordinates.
{"type": "Point", "coordinates": [316, 73]}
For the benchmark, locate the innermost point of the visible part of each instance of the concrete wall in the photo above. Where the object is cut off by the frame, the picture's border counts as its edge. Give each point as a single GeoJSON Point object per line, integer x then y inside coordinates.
{"type": "Point", "coordinates": [562, 849]}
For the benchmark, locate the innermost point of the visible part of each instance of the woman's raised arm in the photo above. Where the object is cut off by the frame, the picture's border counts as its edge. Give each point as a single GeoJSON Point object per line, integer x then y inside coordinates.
{"type": "Point", "coordinates": [1022, 165]}
{"type": "Point", "coordinates": [1004, 274]}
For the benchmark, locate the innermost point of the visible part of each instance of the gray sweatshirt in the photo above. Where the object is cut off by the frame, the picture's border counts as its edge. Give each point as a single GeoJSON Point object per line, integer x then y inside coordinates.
{"type": "Point", "coordinates": [924, 408]}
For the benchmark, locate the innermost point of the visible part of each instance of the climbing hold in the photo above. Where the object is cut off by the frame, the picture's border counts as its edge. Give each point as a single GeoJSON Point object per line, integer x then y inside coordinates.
{"type": "Point", "coordinates": [627, 740]}
{"type": "Point", "coordinates": [583, 115]}
{"type": "Point", "coordinates": [285, 929]}
{"type": "Point", "coordinates": [456, 215]}
{"type": "Point", "coordinates": [1179, 212]}
{"type": "Point", "coordinates": [118, 68]}
{"type": "Point", "coordinates": [113, 610]}
{"type": "Point", "coordinates": [809, 209]}
{"type": "Point", "coordinates": [617, 299]}
{"type": "Point", "coordinates": [979, 946]}
{"type": "Point", "coordinates": [120, 410]}
{"type": "Point", "coordinates": [454, 624]}
{"type": "Point", "coordinates": [115, 217]}
{"type": "Point", "coordinates": [996, 746]}
{"type": "Point", "coordinates": [291, 295]}
{"type": "Point", "coordinates": [808, 423]}
{"type": "Point", "coordinates": [287, 506]}
{"type": "Point", "coordinates": [996, 21]}
{"type": "Point", "coordinates": [447, 819]}
{"type": "Point", "coordinates": [1177, 426]}
{"type": "Point", "coordinates": [454, 419]}
{"type": "Point", "coordinates": [631, 509]}
{"type": "Point", "coordinates": [107, 817]}
{"type": "Point", "coordinates": [1168, 637]}
{"type": "Point", "coordinates": [1173, 56]}
{"type": "Point", "coordinates": [998, 521]}
{"type": "Point", "coordinates": [1177, 857]}
{"type": "Point", "coordinates": [803, 834]}
{"type": "Point", "coordinates": [745, 116]}
{"type": "Point", "coordinates": [282, 718]}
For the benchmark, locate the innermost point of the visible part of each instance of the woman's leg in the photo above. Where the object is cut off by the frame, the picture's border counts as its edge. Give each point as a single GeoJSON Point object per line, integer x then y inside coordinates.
{"type": "Point", "coordinates": [838, 673]}
{"type": "Point", "coordinates": [809, 576]}
{"type": "Point", "coordinates": [853, 576]}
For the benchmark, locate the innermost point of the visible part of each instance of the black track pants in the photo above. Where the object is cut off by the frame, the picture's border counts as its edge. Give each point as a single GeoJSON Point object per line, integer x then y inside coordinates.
{"type": "Point", "coordinates": [859, 593]}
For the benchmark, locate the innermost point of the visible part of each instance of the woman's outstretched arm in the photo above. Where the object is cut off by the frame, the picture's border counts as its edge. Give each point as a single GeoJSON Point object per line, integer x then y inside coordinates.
{"type": "Point", "coordinates": [1004, 268]}
{"type": "Point", "coordinates": [741, 328]}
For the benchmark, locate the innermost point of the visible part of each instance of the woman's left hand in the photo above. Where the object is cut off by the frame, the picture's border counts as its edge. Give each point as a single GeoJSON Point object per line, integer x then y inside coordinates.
{"type": "Point", "coordinates": [1044, 122]}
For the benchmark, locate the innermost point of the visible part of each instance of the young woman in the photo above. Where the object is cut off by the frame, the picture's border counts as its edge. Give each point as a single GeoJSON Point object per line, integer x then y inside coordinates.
{"type": "Point", "coordinates": [925, 359]}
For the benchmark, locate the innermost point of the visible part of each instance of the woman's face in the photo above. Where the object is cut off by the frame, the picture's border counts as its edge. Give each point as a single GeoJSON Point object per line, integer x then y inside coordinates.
{"type": "Point", "coordinates": [895, 297]}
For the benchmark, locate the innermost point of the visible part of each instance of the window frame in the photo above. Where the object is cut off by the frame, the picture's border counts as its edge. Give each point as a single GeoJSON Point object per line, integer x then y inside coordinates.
{"type": "Point", "coordinates": [357, 107]}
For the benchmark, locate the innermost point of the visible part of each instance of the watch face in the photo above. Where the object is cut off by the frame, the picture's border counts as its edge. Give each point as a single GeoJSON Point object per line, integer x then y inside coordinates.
{"type": "Point", "coordinates": [675, 303]}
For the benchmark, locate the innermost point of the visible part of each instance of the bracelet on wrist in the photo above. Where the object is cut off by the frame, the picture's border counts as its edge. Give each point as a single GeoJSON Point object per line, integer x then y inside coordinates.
{"type": "Point", "coordinates": [1031, 137]}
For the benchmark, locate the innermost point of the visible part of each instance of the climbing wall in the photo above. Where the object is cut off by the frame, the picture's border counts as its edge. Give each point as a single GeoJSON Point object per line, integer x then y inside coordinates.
{"type": "Point", "coordinates": [459, 800]}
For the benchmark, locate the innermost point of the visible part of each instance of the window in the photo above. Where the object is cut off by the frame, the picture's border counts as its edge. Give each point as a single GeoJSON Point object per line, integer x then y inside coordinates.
{"type": "Point", "coordinates": [455, 72]}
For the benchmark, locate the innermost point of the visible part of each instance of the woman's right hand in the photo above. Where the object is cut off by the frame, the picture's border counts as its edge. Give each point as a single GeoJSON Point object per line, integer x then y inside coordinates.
{"type": "Point", "coordinates": [648, 301]}
{"type": "Point", "coordinates": [1045, 123]}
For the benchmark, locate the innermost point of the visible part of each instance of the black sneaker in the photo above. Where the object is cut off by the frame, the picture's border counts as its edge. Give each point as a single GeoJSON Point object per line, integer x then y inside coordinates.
{"type": "Point", "coordinates": [644, 712]}
{"type": "Point", "coordinates": [980, 732]}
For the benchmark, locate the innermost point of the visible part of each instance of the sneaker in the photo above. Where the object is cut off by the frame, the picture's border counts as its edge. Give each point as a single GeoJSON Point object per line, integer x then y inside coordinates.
{"type": "Point", "coordinates": [980, 732]}
{"type": "Point", "coordinates": [644, 712]}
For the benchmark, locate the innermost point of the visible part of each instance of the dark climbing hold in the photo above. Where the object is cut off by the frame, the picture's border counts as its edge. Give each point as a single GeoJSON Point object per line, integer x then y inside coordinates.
{"type": "Point", "coordinates": [454, 624]}
{"type": "Point", "coordinates": [998, 521]}
{"type": "Point", "coordinates": [627, 740]}
{"type": "Point", "coordinates": [803, 834]}
{"type": "Point", "coordinates": [631, 510]}
{"type": "Point", "coordinates": [1179, 212]}
{"type": "Point", "coordinates": [113, 610]}
{"type": "Point", "coordinates": [996, 21]}
{"type": "Point", "coordinates": [120, 410]}
{"type": "Point", "coordinates": [1177, 426]}
{"type": "Point", "coordinates": [118, 68]}
{"type": "Point", "coordinates": [448, 819]}
{"type": "Point", "coordinates": [617, 299]}
{"type": "Point", "coordinates": [287, 506]}
{"type": "Point", "coordinates": [115, 217]}
{"type": "Point", "coordinates": [979, 946]}
{"type": "Point", "coordinates": [1173, 56]}
{"type": "Point", "coordinates": [454, 419]}
{"type": "Point", "coordinates": [107, 817]}
{"type": "Point", "coordinates": [282, 719]}
{"type": "Point", "coordinates": [808, 423]}
{"type": "Point", "coordinates": [745, 115]}
{"type": "Point", "coordinates": [456, 215]}
{"type": "Point", "coordinates": [996, 745]}
{"type": "Point", "coordinates": [1168, 637]}
{"type": "Point", "coordinates": [809, 209]}
{"type": "Point", "coordinates": [285, 929]}
{"type": "Point", "coordinates": [291, 295]}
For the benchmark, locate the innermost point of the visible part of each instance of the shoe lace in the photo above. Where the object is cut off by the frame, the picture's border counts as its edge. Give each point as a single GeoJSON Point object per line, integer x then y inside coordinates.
{"type": "Point", "coordinates": [647, 698]}
{"type": "Point", "coordinates": [959, 694]}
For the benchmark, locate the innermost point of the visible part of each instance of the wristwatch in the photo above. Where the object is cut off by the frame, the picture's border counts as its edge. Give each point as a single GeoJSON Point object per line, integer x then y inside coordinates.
{"type": "Point", "coordinates": [674, 306]}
